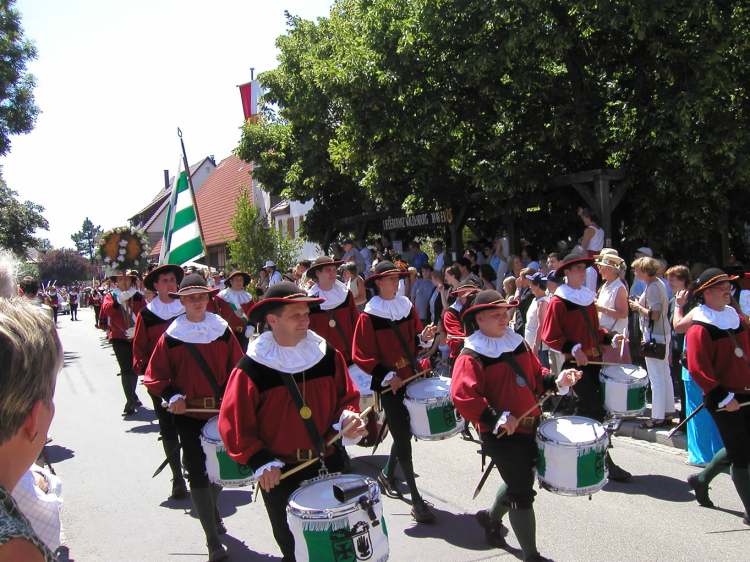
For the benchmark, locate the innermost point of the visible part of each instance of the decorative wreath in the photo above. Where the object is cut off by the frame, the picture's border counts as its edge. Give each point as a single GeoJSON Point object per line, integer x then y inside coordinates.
{"type": "Point", "coordinates": [124, 247]}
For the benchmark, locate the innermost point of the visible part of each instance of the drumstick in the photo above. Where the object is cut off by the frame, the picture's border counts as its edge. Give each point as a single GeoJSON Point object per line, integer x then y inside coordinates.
{"type": "Point", "coordinates": [411, 378]}
{"type": "Point", "coordinates": [201, 411]}
{"type": "Point", "coordinates": [741, 405]}
{"type": "Point", "coordinates": [330, 442]}
{"type": "Point", "coordinates": [541, 401]}
{"type": "Point", "coordinates": [622, 341]}
{"type": "Point", "coordinates": [603, 363]}
{"type": "Point", "coordinates": [456, 337]}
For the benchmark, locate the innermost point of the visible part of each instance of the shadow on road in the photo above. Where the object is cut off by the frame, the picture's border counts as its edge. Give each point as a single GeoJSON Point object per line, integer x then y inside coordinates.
{"type": "Point", "coordinates": [240, 552]}
{"type": "Point", "coordinates": [58, 453]}
{"type": "Point", "coordinates": [142, 415]}
{"type": "Point", "coordinates": [232, 498]}
{"type": "Point", "coordinates": [458, 529]}
{"type": "Point", "coordinates": [657, 486]}
{"type": "Point", "coordinates": [70, 357]}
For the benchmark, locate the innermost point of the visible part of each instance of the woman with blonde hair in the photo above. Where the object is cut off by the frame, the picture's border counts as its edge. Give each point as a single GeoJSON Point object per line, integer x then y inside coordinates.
{"type": "Point", "coordinates": [653, 313]}
{"type": "Point", "coordinates": [612, 299]}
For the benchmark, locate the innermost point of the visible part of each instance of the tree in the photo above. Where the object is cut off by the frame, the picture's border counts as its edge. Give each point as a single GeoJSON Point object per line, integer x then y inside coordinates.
{"type": "Point", "coordinates": [19, 221]}
{"type": "Point", "coordinates": [17, 108]}
{"type": "Point", "coordinates": [86, 239]}
{"type": "Point", "coordinates": [256, 242]}
{"type": "Point", "coordinates": [64, 266]}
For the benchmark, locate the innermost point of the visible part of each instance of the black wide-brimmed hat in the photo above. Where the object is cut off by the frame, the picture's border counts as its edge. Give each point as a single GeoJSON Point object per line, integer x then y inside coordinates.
{"type": "Point", "coordinates": [465, 289]}
{"type": "Point", "coordinates": [485, 300]}
{"type": "Point", "coordinates": [711, 277]}
{"type": "Point", "coordinates": [280, 294]}
{"type": "Point", "coordinates": [132, 273]}
{"type": "Point", "coordinates": [193, 284]}
{"type": "Point", "coordinates": [385, 268]}
{"type": "Point", "coordinates": [573, 259]}
{"type": "Point", "coordinates": [245, 278]}
{"type": "Point", "coordinates": [321, 262]}
{"type": "Point", "coordinates": [153, 275]}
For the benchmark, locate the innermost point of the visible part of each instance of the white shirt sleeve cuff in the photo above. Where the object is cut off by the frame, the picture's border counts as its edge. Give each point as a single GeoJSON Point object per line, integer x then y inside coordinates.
{"type": "Point", "coordinates": [268, 466]}
{"type": "Point", "coordinates": [576, 347]}
{"type": "Point", "coordinates": [346, 415]}
{"type": "Point", "coordinates": [562, 390]}
{"type": "Point", "coordinates": [387, 378]}
{"type": "Point", "coordinates": [175, 398]}
{"type": "Point", "coordinates": [503, 419]}
{"type": "Point", "coordinates": [249, 331]}
{"type": "Point", "coordinates": [726, 400]}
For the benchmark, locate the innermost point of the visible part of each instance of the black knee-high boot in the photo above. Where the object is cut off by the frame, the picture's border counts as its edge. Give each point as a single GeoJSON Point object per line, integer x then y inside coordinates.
{"type": "Point", "coordinates": [215, 491]}
{"type": "Point", "coordinates": [171, 450]}
{"type": "Point", "coordinates": [203, 502]}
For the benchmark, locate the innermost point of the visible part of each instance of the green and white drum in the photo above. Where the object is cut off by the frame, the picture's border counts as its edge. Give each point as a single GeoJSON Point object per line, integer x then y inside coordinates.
{"type": "Point", "coordinates": [220, 467]}
{"type": "Point", "coordinates": [571, 456]}
{"type": "Point", "coordinates": [624, 389]}
{"type": "Point", "coordinates": [431, 411]}
{"type": "Point", "coordinates": [327, 530]}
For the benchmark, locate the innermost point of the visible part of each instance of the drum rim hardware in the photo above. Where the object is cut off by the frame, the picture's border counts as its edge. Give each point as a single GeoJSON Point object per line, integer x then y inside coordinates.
{"type": "Point", "coordinates": [546, 439]}
{"type": "Point", "coordinates": [327, 513]}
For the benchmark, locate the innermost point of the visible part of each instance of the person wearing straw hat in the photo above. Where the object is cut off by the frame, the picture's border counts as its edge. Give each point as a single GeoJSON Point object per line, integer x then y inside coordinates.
{"type": "Point", "coordinates": [188, 370]}
{"type": "Point", "coordinates": [273, 276]}
{"type": "Point", "coordinates": [612, 298]}
{"type": "Point", "coordinates": [151, 323]}
{"type": "Point", "coordinates": [385, 346]}
{"type": "Point", "coordinates": [718, 360]}
{"type": "Point", "coordinates": [571, 328]}
{"type": "Point", "coordinates": [289, 378]}
{"type": "Point", "coordinates": [233, 304]}
{"type": "Point", "coordinates": [496, 383]}
{"type": "Point", "coordinates": [118, 315]}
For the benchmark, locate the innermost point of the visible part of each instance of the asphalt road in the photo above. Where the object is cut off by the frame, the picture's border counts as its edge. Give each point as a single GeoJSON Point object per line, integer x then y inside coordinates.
{"type": "Point", "coordinates": [114, 511]}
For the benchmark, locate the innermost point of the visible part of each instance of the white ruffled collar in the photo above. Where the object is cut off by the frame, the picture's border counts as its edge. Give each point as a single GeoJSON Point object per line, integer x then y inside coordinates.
{"type": "Point", "coordinates": [333, 298]}
{"type": "Point", "coordinates": [392, 309]}
{"type": "Point", "coordinates": [727, 319]}
{"type": "Point", "coordinates": [582, 297]}
{"type": "Point", "coordinates": [493, 347]}
{"type": "Point", "coordinates": [166, 310]}
{"type": "Point", "coordinates": [266, 351]}
{"type": "Point", "coordinates": [457, 306]}
{"type": "Point", "coordinates": [124, 296]}
{"type": "Point", "coordinates": [212, 328]}
{"type": "Point", "coordinates": [237, 298]}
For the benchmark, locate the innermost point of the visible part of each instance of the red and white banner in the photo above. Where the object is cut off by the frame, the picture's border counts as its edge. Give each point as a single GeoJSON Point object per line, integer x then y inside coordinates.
{"type": "Point", "coordinates": [249, 95]}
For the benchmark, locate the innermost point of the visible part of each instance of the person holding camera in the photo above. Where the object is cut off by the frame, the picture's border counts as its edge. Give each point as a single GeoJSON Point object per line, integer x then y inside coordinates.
{"type": "Point", "coordinates": [652, 307]}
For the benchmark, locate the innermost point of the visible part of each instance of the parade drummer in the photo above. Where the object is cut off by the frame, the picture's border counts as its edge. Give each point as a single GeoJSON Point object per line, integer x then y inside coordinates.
{"type": "Point", "coordinates": [233, 304]}
{"type": "Point", "coordinates": [151, 323]}
{"type": "Point", "coordinates": [386, 340]}
{"type": "Point", "coordinates": [718, 360]}
{"type": "Point", "coordinates": [188, 370]}
{"type": "Point", "coordinates": [452, 325]}
{"type": "Point", "coordinates": [496, 383]}
{"type": "Point", "coordinates": [287, 396]}
{"type": "Point", "coordinates": [118, 314]}
{"type": "Point", "coordinates": [571, 328]}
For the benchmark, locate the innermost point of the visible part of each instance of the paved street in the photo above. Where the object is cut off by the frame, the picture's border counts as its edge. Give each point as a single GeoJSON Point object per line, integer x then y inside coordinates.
{"type": "Point", "coordinates": [114, 511]}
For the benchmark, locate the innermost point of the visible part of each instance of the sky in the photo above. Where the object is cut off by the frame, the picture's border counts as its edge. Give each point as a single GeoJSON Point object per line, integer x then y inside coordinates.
{"type": "Point", "coordinates": [116, 79]}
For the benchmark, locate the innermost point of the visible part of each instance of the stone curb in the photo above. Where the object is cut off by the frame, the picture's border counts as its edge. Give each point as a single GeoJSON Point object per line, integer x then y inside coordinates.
{"type": "Point", "coordinates": [631, 428]}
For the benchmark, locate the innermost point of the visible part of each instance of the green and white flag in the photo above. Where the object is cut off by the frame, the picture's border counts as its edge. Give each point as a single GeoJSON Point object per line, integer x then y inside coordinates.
{"type": "Point", "coordinates": [182, 241]}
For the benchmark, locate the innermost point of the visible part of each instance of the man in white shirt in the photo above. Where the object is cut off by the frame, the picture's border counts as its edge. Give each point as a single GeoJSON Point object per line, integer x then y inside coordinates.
{"type": "Point", "coordinates": [273, 275]}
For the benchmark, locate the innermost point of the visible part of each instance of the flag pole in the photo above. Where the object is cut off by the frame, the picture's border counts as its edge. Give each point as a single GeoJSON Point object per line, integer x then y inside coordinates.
{"type": "Point", "coordinates": [192, 195]}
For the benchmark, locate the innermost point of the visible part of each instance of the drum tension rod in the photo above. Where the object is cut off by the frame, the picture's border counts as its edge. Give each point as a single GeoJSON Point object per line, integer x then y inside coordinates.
{"type": "Point", "coordinates": [367, 505]}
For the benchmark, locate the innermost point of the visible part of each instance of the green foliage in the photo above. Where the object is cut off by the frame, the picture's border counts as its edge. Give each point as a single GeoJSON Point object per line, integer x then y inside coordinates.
{"type": "Point", "coordinates": [19, 221]}
{"type": "Point", "coordinates": [86, 239]}
{"type": "Point", "coordinates": [256, 242]}
{"type": "Point", "coordinates": [17, 108]}
{"type": "Point", "coordinates": [65, 266]}
{"type": "Point", "coordinates": [424, 104]}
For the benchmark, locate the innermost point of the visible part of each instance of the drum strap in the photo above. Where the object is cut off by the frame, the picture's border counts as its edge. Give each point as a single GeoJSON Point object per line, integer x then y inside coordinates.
{"type": "Point", "coordinates": [402, 341]}
{"type": "Point", "coordinates": [737, 345]}
{"type": "Point", "coordinates": [340, 330]}
{"type": "Point", "coordinates": [508, 358]}
{"type": "Point", "coordinates": [312, 431]}
{"type": "Point", "coordinates": [206, 370]}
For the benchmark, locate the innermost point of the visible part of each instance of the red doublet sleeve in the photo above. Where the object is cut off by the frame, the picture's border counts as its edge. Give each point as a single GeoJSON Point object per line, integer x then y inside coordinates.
{"type": "Point", "coordinates": [348, 395]}
{"type": "Point", "coordinates": [238, 422]}
{"type": "Point", "coordinates": [700, 358]}
{"type": "Point", "coordinates": [226, 311]}
{"type": "Point", "coordinates": [365, 350]}
{"type": "Point", "coordinates": [467, 391]}
{"type": "Point", "coordinates": [553, 330]}
{"type": "Point", "coordinates": [105, 311]}
{"type": "Point", "coordinates": [141, 346]}
{"type": "Point", "coordinates": [159, 376]}
{"type": "Point", "coordinates": [453, 327]}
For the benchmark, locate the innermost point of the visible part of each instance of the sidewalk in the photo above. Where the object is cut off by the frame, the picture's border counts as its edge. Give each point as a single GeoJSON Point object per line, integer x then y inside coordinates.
{"type": "Point", "coordinates": [631, 428]}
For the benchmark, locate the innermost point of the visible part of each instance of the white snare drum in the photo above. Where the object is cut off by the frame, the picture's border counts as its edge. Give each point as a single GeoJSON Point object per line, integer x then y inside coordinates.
{"type": "Point", "coordinates": [220, 467]}
{"type": "Point", "coordinates": [571, 456]}
{"type": "Point", "coordinates": [431, 411]}
{"type": "Point", "coordinates": [326, 530]}
{"type": "Point", "coordinates": [624, 389]}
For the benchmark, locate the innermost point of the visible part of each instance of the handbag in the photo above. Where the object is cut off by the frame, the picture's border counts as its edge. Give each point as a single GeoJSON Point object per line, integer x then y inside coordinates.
{"type": "Point", "coordinates": [652, 349]}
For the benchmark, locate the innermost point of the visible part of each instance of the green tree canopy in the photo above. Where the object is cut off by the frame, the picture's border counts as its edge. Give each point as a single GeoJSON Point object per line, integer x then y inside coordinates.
{"type": "Point", "coordinates": [17, 108]}
{"type": "Point", "coordinates": [19, 220]}
{"type": "Point", "coordinates": [86, 239]}
{"type": "Point", "coordinates": [64, 266]}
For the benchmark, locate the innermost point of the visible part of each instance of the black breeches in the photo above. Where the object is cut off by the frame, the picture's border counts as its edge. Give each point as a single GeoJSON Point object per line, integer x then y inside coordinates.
{"type": "Point", "coordinates": [167, 426]}
{"type": "Point", "coordinates": [397, 417]}
{"type": "Point", "coordinates": [515, 457]}
{"type": "Point", "coordinates": [734, 428]}
{"type": "Point", "coordinates": [189, 430]}
{"type": "Point", "coordinates": [124, 353]}
{"type": "Point", "coordinates": [589, 391]}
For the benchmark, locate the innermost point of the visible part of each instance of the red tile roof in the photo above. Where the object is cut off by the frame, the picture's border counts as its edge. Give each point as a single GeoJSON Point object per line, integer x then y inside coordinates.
{"type": "Point", "coordinates": [217, 199]}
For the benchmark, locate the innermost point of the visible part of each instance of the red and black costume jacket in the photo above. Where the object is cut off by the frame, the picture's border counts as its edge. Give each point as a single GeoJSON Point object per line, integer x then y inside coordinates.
{"type": "Point", "coordinates": [225, 310]}
{"type": "Point", "coordinates": [378, 351]}
{"type": "Point", "coordinates": [713, 364]}
{"type": "Point", "coordinates": [148, 329]}
{"type": "Point", "coordinates": [482, 387]}
{"type": "Point", "coordinates": [259, 420]}
{"type": "Point", "coordinates": [73, 298]}
{"type": "Point", "coordinates": [341, 334]}
{"type": "Point", "coordinates": [455, 330]}
{"type": "Point", "coordinates": [54, 300]}
{"type": "Point", "coordinates": [564, 326]}
{"type": "Point", "coordinates": [114, 318]}
{"type": "Point", "coordinates": [95, 299]}
{"type": "Point", "coordinates": [173, 370]}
